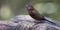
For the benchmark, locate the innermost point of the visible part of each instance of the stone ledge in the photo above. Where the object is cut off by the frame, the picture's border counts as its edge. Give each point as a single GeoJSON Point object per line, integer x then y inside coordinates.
{"type": "Point", "coordinates": [25, 22]}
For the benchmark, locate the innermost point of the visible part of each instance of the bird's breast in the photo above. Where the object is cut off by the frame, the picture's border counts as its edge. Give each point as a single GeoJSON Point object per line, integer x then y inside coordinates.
{"type": "Point", "coordinates": [34, 16]}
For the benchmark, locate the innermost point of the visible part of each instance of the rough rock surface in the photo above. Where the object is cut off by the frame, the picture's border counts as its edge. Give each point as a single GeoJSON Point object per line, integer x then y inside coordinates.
{"type": "Point", "coordinates": [25, 22]}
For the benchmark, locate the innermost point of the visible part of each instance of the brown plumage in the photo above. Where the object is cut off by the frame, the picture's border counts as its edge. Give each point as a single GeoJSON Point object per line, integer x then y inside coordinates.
{"type": "Point", "coordinates": [34, 13]}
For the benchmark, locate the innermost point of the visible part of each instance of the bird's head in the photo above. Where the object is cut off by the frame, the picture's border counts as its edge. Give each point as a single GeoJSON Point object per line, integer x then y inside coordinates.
{"type": "Point", "coordinates": [29, 7]}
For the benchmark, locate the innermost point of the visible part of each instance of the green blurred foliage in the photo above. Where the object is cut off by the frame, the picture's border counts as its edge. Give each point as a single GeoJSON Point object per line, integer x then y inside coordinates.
{"type": "Point", "coordinates": [11, 8]}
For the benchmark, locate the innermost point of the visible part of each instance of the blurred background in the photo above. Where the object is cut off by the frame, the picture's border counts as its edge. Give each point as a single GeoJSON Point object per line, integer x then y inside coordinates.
{"type": "Point", "coordinates": [12, 8]}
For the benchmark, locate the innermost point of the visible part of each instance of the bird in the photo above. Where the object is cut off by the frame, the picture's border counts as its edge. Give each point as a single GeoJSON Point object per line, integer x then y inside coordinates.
{"type": "Point", "coordinates": [36, 15]}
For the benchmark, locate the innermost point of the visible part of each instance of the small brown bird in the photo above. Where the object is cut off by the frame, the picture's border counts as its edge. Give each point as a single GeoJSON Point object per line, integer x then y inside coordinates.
{"type": "Point", "coordinates": [35, 15]}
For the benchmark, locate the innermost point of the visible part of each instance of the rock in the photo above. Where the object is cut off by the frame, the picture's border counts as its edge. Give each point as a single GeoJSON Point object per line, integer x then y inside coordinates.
{"type": "Point", "coordinates": [20, 18]}
{"type": "Point", "coordinates": [25, 22]}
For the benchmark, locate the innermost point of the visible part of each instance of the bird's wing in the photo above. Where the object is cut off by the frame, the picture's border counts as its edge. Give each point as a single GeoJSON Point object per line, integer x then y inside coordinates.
{"type": "Point", "coordinates": [38, 14]}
